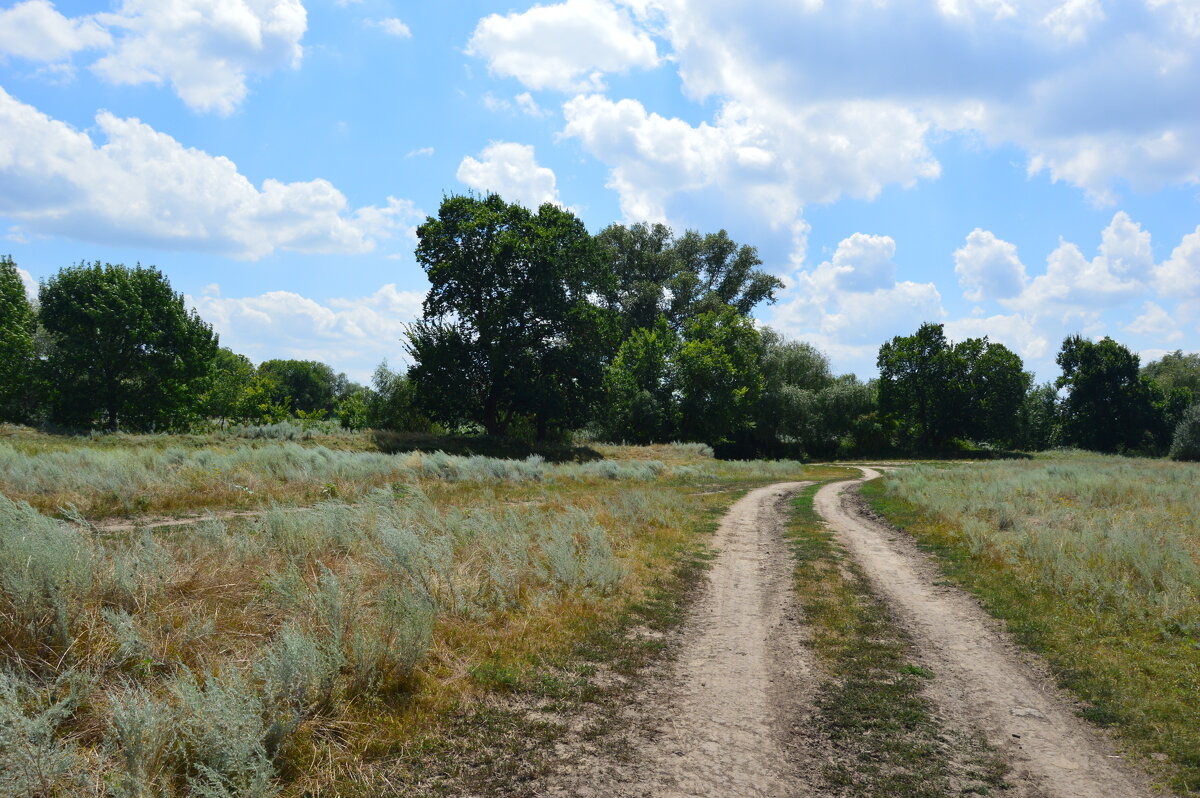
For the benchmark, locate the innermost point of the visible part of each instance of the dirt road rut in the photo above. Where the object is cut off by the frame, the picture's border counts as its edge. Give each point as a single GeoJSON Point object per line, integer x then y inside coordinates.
{"type": "Point", "coordinates": [980, 678]}
{"type": "Point", "coordinates": [718, 723]}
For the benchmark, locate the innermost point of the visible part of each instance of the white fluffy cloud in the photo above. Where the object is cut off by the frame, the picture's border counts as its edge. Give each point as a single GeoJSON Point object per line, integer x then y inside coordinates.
{"type": "Point", "coordinates": [36, 31]}
{"type": "Point", "coordinates": [31, 286]}
{"type": "Point", "coordinates": [568, 46]}
{"type": "Point", "coordinates": [988, 268]}
{"type": "Point", "coordinates": [143, 186]}
{"type": "Point", "coordinates": [350, 334]}
{"type": "Point", "coordinates": [819, 100]}
{"type": "Point", "coordinates": [773, 157]}
{"type": "Point", "coordinates": [512, 171]}
{"type": "Point", "coordinates": [204, 48]}
{"type": "Point", "coordinates": [1179, 275]}
{"type": "Point", "coordinates": [852, 302]}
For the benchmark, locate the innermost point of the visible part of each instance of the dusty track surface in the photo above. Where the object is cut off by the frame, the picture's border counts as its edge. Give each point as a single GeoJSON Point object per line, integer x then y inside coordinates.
{"type": "Point", "coordinates": [981, 679]}
{"type": "Point", "coordinates": [719, 724]}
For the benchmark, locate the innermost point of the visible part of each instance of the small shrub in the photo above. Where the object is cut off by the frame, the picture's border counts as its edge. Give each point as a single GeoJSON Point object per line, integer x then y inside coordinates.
{"type": "Point", "coordinates": [141, 735]}
{"type": "Point", "coordinates": [1186, 443]}
{"type": "Point", "coordinates": [34, 760]}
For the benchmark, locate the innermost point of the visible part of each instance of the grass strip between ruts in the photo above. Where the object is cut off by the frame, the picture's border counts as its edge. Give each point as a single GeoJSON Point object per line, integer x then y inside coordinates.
{"type": "Point", "coordinates": [875, 731]}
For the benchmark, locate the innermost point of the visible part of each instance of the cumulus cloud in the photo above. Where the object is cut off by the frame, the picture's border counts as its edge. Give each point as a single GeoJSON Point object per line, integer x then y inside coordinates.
{"type": "Point", "coordinates": [774, 157]}
{"type": "Point", "coordinates": [512, 171]}
{"type": "Point", "coordinates": [988, 268]}
{"type": "Point", "coordinates": [394, 27]}
{"type": "Point", "coordinates": [204, 48]}
{"type": "Point", "coordinates": [568, 46]}
{"type": "Point", "coordinates": [36, 31]}
{"type": "Point", "coordinates": [1098, 95]}
{"type": "Point", "coordinates": [1179, 275]}
{"type": "Point", "coordinates": [31, 286]}
{"type": "Point", "coordinates": [851, 303]}
{"type": "Point", "coordinates": [353, 335]}
{"type": "Point", "coordinates": [143, 186]}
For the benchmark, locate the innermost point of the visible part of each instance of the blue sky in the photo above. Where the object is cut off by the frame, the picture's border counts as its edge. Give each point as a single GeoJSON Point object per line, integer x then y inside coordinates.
{"type": "Point", "coordinates": [1022, 169]}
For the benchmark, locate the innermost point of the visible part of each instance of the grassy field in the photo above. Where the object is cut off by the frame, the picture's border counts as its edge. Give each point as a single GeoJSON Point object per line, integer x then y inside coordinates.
{"type": "Point", "coordinates": [1094, 562]}
{"type": "Point", "coordinates": [335, 641]}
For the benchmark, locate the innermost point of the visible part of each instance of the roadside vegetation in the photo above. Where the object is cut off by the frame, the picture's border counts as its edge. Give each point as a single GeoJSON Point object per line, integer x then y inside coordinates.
{"type": "Point", "coordinates": [1093, 562]}
{"type": "Point", "coordinates": [332, 650]}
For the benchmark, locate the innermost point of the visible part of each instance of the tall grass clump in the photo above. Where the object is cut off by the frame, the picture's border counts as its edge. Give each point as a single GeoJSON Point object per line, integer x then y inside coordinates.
{"type": "Point", "coordinates": [45, 570]}
{"type": "Point", "coordinates": [1186, 443]}
{"type": "Point", "coordinates": [35, 758]}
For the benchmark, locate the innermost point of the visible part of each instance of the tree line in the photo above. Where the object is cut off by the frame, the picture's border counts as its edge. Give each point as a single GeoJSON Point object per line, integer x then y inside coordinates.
{"type": "Point", "coordinates": [534, 328]}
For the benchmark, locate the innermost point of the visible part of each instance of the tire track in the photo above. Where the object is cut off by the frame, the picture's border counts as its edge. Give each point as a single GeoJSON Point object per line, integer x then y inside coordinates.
{"type": "Point", "coordinates": [982, 680]}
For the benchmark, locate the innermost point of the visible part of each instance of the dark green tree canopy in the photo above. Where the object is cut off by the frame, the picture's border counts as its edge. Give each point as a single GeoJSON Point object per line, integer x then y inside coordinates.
{"type": "Point", "coordinates": [1109, 407]}
{"type": "Point", "coordinates": [1175, 370]}
{"type": "Point", "coordinates": [124, 350]}
{"type": "Point", "coordinates": [719, 376]}
{"type": "Point", "coordinates": [17, 326]}
{"type": "Point", "coordinates": [656, 274]}
{"type": "Point", "coordinates": [938, 390]}
{"type": "Point", "coordinates": [309, 384]}
{"type": "Point", "coordinates": [510, 329]}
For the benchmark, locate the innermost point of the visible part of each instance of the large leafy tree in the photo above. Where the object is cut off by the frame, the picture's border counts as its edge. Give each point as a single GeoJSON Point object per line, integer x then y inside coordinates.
{"type": "Point", "coordinates": [1109, 406]}
{"type": "Point", "coordinates": [510, 329]}
{"type": "Point", "coordinates": [937, 390]}
{"type": "Point", "coordinates": [719, 376]}
{"type": "Point", "coordinates": [229, 378]}
{"type": "Point", "coordinates": [640, 404]}
{"type": "Point", "coordinates": [657, 274]}
{"type": "Point", "coordinates": [308, 385]}
{"type": "Point", "coordinates": [17, 324]}
{"type": "Point", "coordinates": [918, 387]}
{"type": "Point", "coordinates": [123, 351]}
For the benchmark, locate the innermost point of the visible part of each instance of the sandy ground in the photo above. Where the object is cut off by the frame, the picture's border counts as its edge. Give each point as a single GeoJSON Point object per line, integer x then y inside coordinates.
{"type": "Point", "coordinates": [727, 718]}
{"type": "Point", "coordinates": [981, 679]}
{"type": "Point", "coordinates": [721, 722]}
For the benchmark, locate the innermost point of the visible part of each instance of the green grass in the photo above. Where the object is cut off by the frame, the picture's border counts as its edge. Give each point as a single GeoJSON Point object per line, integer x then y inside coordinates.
{"type": "Point", "coordinates": [1089, 562]}
{"type": "Point", "coordinates": [879, 733]}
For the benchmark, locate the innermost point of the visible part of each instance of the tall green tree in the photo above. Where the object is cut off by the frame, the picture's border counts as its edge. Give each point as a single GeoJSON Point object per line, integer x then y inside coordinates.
{"type": "Point", "coordinates": [309, 385]}
{"type": "Point", "coordinates": [719, 377]}
{"type": "Point", "coordinates": [640, 404]}
{"type": "Point", "coordinates": [918, 385]}
{"type": "Point", "coordinates": [124, 350]}
{"type": "Point", "coordinates": [1175, 370]}
{"type": "Point", "coordinates": [510, 329]}
{"type": "Point", "coordinates": [938, 390]}
{"type": "Point", "coordinates": [1109, 407]}
{"type": "Point", "coordinates": [657, 274]}
{"type": "Point", "coordinates": [17, 326]}
{"type": "Point", "coordinates": [229, 378]}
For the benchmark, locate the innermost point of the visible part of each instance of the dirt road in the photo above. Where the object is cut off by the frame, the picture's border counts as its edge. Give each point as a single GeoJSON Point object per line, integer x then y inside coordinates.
{"type": "Point", "coordinates": [730, 717]}
{"type": "Point", "coordinates": [981, 680]}
{"type": "Point", "coordinates": [719, 724]}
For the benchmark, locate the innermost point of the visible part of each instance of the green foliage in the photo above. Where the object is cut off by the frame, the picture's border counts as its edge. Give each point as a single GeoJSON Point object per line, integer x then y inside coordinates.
{"type": "Point", "coordinates": [229, 379]}
{"type": "Point", "coordinates": [509, 330]}
{"type": "Point", "coordinates": [1039, 419]}
{"type": "Point", "coordinates": [1186, 443]}
{"type": "Point", "coordinates": [305, 385]}
{"type": "Point", "coordinates": [124, 350]}
{"type": "Point", "coordinates": [937, 390]}
{"type": "Point", "coordinates": [392, 404]}
{"type": "Point", "coordinates": [17, 326]}
{"type": "Point", "coordinates": [1175, 370]}
{"type": "Point", "coordinates": [640, 405]}
{"type": "Point", "coordinates": [1109, 407]}
{"type": "Point", "coordinates": [719, 377]}
{"type": "Point", "coordinates": [656, 274]}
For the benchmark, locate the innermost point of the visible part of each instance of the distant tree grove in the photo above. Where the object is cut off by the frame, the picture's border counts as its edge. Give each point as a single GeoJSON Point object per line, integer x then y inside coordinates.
{"type": "Point", "coordinates": [534, 328]}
